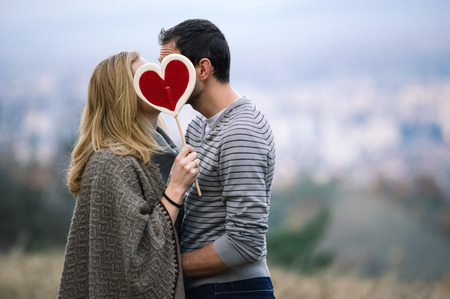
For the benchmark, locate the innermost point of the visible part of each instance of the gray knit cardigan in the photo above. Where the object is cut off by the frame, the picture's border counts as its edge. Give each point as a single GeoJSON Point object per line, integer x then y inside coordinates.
{"type": "Point", "coordinates": [121, 242]}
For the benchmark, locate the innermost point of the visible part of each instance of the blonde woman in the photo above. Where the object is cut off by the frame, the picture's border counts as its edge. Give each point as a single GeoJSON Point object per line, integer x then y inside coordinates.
{"type": "Point", "coordinates": [122, 242]}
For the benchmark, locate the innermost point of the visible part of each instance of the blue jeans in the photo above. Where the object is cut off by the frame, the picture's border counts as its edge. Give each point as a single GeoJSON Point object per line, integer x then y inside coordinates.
{"type": "Point", "coordinates": [260, 288]}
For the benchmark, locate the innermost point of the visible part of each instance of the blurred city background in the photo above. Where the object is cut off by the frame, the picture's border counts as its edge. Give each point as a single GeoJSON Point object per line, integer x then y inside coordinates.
{"type": "Point", "coordinates": [358, 96]}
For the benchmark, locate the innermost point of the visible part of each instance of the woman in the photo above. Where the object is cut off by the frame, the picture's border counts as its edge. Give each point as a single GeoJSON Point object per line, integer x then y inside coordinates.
{"type": "Point", "coordinates": [122, 243]}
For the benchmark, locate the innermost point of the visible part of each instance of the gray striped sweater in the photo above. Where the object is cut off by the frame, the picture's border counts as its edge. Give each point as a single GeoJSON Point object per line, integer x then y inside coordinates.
{"type": "Point", "coordinates": [237, 166]}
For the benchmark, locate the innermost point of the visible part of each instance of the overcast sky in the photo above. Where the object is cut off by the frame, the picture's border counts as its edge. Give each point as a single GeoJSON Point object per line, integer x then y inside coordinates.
{"type": "Point", "coordinates": [290, 38]}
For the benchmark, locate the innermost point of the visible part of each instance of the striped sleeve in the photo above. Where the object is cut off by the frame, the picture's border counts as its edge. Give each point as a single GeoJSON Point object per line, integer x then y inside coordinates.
{"type": "Point", "coordinates": [246, 170]}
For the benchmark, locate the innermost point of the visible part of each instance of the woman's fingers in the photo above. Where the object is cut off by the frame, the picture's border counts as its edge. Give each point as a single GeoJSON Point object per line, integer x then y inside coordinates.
{"type": "Point", "coordinates": [188, 161]}
{"type": "Point", "coordinates": [186, 149]}
{"type": "Point", "coordinates": [196, 162]}
{"type": "Point", "coordinates": [189, 157]}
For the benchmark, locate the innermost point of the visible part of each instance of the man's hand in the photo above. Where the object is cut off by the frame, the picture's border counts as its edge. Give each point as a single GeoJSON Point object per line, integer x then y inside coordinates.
{"type": "Point", "coordinates": [202, 262]}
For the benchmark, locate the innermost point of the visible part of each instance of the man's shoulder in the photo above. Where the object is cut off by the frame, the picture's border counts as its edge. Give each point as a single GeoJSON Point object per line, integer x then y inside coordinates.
{"type": "Point", "coordinates": [196, 123]}
{"type": "Point", "coordinates": [245, 110]}
{"type": "Point", "coordinates": [243, 114]}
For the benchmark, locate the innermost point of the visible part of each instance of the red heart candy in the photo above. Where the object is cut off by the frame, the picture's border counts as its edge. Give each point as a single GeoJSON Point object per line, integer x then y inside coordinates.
{"type": "Point", "coordinates": [167, 88]}
{"type": "Point", "coordinates": [165, 92]}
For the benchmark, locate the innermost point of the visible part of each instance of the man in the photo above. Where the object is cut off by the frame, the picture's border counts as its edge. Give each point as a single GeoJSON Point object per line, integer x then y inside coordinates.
{"type": "Point", "coordinates": [223, 234]}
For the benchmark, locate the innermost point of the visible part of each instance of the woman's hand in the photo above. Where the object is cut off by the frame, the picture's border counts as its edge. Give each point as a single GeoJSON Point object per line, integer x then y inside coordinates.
{"type": "Point", "coordinates": [184, 171]}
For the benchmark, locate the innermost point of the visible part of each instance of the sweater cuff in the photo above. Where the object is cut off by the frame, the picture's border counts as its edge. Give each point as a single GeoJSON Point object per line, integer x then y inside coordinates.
{"type": "Point", "coordinates": [227, 252]}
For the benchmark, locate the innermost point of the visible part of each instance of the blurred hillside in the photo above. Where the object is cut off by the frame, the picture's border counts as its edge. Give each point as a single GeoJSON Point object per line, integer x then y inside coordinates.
{"type": "Point", "coordinates": [369, 232]}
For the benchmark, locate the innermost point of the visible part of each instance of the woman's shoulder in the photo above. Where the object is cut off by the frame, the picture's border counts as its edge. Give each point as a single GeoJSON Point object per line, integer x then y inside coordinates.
{"type": "Point", "coordinates": [106, 154]}
{"type": "Point", "coordinates": [105, 160]}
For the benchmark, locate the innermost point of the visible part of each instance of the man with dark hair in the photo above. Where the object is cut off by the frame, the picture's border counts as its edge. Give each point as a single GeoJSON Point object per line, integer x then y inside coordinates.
{"type": "Point", "coordinates": [223, 233]}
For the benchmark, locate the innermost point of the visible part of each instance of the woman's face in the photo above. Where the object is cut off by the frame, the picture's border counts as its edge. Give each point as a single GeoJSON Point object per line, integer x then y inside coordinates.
{"type": "Point", "coordinates": [137, 64]}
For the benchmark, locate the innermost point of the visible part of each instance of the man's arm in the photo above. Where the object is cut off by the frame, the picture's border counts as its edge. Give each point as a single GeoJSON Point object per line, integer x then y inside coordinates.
{"type": "Point", "coordinates": [202, 262]}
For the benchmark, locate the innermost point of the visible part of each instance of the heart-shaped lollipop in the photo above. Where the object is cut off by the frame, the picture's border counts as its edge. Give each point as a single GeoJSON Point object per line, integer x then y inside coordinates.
{"type": "Point", "coordinates": [166, 88]}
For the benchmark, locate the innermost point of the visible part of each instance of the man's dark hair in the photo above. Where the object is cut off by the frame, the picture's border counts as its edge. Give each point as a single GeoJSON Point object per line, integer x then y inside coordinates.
{"type": "Point", "coordinates": [197, 39]}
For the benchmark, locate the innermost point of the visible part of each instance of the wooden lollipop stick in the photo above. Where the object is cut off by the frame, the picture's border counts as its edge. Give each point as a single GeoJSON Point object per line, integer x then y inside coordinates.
{"type": "Point", "coordinates": [184, 142]}
{"type": "Point", "coordinates": [180, 130]}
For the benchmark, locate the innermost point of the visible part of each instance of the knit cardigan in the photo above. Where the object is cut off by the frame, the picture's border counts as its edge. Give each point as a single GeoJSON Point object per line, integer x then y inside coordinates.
{"type": "Point", "coordinates": [121, 242]}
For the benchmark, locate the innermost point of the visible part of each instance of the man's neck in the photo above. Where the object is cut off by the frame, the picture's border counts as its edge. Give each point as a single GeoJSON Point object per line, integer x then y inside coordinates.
{"type": "Point", "coordinates": [215, 98]}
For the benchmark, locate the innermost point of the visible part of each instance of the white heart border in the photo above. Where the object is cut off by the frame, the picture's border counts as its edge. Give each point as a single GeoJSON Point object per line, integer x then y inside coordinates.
{"type": "Point", "coordinates": [160, 70]}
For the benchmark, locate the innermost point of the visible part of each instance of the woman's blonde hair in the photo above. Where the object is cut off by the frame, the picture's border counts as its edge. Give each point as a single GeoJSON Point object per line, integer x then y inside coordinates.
{"type": "Point", "coordinates": [112, 118]}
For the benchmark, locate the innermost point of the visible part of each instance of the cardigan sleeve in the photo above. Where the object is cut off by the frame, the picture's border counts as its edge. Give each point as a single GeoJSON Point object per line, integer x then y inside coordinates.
{"type": "Point", "coordinates": [132, 242]}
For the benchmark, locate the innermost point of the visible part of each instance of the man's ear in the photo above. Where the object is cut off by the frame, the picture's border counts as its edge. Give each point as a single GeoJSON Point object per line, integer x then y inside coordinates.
{"type": "Point", "coordinates": [205, 68]}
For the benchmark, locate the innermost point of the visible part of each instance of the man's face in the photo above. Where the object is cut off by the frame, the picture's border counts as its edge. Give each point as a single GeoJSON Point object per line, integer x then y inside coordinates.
{"type": "Point", "coordinates": [168, 49]}
{"type": "Point", "coordinates": [171, 48]}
